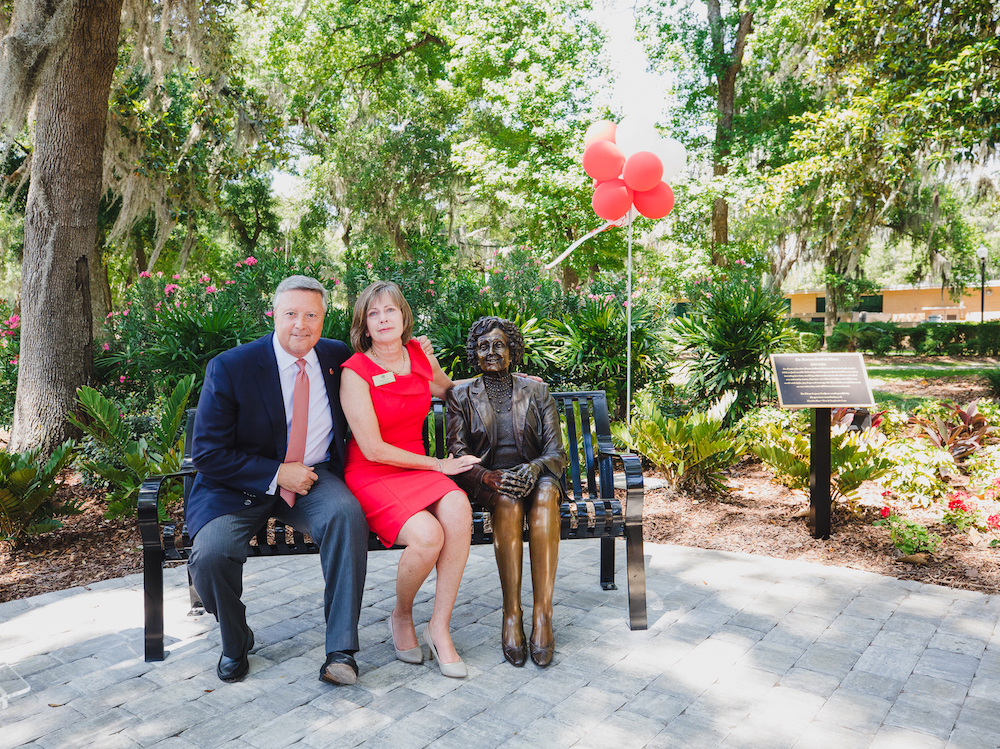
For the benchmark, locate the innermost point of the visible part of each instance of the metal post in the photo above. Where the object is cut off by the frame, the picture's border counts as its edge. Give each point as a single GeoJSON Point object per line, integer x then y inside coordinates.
{"type": "Point", "coordinates": [982, 291]}
{"type": "Point", "coordinates": [819, 474]}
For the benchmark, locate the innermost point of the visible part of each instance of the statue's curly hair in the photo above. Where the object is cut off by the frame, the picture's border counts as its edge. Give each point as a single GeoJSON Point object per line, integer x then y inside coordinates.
{"type": "Point", "coordinates": [482, 326]}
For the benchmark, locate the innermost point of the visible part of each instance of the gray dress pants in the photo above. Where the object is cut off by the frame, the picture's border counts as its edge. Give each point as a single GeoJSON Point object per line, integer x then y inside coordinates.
{"type": "Point", "coordinates": [331, 515]}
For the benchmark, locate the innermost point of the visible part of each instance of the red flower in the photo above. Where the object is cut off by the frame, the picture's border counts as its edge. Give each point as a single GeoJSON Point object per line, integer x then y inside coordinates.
{"type": "Point", "coordinates": [993, 522]}
{"type": "Point", "coordinates": [886, 512]}
{"type": "Point", "coordinates": [958, 504]}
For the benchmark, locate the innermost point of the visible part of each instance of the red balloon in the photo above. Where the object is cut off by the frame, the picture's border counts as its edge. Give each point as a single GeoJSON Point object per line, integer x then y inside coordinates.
{"type": "Point", "coordinates": [655, 203]}
{"type": "Point", "coordinates": [643, 171]}
{"type": "Point", "coordinates": [603, 160]}
{"type": "Point", "coordinates": [612, 199]}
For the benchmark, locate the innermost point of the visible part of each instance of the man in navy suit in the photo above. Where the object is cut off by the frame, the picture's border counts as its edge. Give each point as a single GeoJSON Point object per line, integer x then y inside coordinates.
{"type": "Point", "coordinates": [241, 436]}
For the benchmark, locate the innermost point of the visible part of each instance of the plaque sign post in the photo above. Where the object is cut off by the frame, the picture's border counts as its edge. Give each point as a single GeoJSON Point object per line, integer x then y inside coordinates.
{"type": "Point", "coordinates": [821, 382]}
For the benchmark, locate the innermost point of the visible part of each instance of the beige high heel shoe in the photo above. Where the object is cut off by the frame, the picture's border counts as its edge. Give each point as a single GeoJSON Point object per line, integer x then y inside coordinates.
{"type": "Point", "coordinates": [411, 655]}
{"type": "Point", "coordinates": [456, 670]}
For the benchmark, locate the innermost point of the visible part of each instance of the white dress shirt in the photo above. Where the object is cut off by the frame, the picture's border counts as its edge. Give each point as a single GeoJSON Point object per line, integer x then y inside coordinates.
{"type": "Point", "coordinates": [320, 426]}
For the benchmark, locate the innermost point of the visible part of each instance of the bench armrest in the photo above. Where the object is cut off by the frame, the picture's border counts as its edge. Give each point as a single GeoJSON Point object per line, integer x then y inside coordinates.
{"type": "Point", "coordinates": [632, 468]}
{"type": "Point", "coordinates": [149, 519]}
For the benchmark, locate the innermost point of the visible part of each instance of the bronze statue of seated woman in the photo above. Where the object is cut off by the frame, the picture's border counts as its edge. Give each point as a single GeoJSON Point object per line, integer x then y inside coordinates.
{"type": "Point", "coordinates": [512, 424]}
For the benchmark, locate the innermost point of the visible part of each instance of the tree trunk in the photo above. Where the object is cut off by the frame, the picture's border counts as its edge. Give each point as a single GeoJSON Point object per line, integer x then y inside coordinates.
{"type": "Point", "coordinates": [189, 241]}
{"type": "Point", "coordinates": [727, 66]}
{"type": "Point", "coordinates": [60, 227]}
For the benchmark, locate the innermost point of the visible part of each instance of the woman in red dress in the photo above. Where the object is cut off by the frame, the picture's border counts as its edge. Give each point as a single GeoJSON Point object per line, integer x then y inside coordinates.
{"type": "Point", "coordinates": [407, 497]}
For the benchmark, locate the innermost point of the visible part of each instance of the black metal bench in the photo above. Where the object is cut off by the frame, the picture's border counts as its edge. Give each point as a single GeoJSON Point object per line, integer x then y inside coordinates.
{"type": "Point", "coordinates": [592, 511]}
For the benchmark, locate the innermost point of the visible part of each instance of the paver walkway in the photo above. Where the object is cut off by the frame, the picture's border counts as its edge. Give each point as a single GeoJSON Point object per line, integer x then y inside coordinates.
{"type": "Point", "coordinates": [742, 651]}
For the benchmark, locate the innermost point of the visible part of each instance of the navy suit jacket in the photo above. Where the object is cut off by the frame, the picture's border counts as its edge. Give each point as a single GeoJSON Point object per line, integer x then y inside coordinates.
{"type": "Point", "coordinates": [240, 430]}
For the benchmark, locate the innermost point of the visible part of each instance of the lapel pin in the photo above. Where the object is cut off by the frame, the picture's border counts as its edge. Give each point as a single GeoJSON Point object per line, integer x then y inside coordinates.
{"type": "Point", "coordinates": [331, 370]}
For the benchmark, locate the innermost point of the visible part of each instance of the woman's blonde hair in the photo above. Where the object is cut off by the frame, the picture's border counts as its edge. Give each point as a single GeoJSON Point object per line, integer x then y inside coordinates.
{"type": "Point", "coordinates": [360, 339]}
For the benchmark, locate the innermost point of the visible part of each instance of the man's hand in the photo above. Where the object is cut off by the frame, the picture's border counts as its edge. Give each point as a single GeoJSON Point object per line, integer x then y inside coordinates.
{"type": "Point", "coordinates": [296, 477]}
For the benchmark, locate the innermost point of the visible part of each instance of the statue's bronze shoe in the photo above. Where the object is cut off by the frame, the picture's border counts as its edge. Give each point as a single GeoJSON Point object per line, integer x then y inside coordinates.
{"type": "Point", "coordinates": [542, 643]}
{"type": "Point", "coordinates": [513, 642]}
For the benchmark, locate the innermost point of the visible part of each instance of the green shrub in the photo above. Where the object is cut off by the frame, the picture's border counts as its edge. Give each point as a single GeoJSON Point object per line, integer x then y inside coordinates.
{"type": "Point", "coordinates": [810, 342]}
{"type": "Point", "coordinates": [952, 338]}
{"type": "Point", "coordinates": [917, 470]}
{"type": "Point", "coordinates": [27, 487]}
{"type": "Point", "coordinates": [907, 536]}
{"type": "Point", "coordinates": [984, 466]}
{"type": "Point", "coordinates": [133, 460]}
{"type": "Point", "coordinates": [894, 421]}
{"type": "Point", "coordinates": [988, 339]}
{"type": "Point", "coordinates": [917, 336]}
{"type": "Point", "coordinates": [854, 458]}
{"type": "Point", "coordinates": [756, 425]}
{"type": "Point", "coordinates": [591, 348]}
{"type": "Point", "coordinates": [844, 337]}
{"type": "Point", "coordinates": [693, 450]}
{"type": "Point", "coordinates": [734, 325]}
{"type": "Point", "coordinates": [993, 378]}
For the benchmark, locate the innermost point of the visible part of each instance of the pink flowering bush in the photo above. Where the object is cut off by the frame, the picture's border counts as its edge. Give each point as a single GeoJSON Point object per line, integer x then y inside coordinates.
{"type": "Point", "coordinates": [10, 353]}
{"type": "Point", "coordinates": [167, 326]}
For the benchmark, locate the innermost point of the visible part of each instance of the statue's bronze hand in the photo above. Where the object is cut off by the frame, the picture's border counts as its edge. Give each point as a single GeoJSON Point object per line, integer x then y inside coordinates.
{"type": "Point", "coordinates": [517, 482]}
{"type": "Point", "coordinates": [529, 473]}
{"type": "Point", "coordinates": [493, 479]}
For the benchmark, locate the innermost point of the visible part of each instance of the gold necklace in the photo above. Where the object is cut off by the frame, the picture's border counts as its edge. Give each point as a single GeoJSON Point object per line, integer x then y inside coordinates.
{"type": "Point", "coordinates": [386, 366]}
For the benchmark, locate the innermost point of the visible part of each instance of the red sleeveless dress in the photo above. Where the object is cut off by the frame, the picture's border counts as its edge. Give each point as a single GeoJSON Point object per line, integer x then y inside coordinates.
{"type": "Point", "coordinates": [389, 495]}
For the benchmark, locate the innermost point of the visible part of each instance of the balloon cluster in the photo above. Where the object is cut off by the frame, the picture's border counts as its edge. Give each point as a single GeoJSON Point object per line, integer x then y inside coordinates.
{"type": "Point", "coordinates": [631, 166]}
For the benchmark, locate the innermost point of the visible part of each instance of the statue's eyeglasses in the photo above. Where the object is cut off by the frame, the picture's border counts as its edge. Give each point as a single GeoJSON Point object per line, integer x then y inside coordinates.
{"type": "Point", "coordinates": [484, 347]}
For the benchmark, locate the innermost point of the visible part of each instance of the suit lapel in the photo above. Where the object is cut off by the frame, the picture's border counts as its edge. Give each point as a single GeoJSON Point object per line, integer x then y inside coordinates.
{"type": "Point", "coordinates": [269, 385]}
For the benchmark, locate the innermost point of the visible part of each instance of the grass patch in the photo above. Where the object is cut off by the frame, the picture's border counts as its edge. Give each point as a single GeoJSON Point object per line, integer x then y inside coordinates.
{"type": "Point", "coordinates": [906, 403]}
{"type": "Point", "coordinates": [920, 373]}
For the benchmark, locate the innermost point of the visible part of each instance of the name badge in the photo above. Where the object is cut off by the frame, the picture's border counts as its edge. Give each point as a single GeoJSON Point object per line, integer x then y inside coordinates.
{"type": "Point", "coordinates": [383, 379]}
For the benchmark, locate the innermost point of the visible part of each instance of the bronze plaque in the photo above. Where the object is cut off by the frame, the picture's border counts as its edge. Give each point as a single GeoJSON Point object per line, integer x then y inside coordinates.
{"type": "Point", "coordinates": [821, 381]}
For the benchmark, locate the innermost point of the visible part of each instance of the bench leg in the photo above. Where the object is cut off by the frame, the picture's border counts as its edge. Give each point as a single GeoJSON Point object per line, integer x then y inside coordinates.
{"type": "Point", "coordinates": [636, 564]}
{"type": "Point", "coordinates": [197, 607]}
{"type": "Point", "coordinates": [152, 591]}
{"type": "Point", "coordinates": [608, 563]}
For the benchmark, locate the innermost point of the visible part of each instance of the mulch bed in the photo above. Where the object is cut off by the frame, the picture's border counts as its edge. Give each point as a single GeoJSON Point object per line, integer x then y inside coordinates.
{"type": "Point", "coordinates": [757, 517]}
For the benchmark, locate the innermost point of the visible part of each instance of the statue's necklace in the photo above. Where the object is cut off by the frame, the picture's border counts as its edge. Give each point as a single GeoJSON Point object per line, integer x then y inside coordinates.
{"type": "Point", "coordinates": [500, 391]}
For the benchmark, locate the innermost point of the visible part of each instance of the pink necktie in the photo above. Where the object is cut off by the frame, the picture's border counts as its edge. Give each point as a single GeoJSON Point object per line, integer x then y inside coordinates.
{"type": "Point", "coordinates": [296, 452]}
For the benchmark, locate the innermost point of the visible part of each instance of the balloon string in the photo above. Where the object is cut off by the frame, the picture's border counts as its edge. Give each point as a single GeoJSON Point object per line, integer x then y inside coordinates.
{"type": "Point", "coordinates": [577, 243]}
{"type": "Point", "coordinates": [628, 345]}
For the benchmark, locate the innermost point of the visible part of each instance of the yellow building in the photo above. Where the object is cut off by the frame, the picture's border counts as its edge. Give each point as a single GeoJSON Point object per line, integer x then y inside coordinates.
{"type": "Point", "coordinates": [902, 304]}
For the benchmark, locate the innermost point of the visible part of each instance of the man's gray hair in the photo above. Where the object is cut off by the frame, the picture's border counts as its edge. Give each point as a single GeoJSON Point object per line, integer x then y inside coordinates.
{"type": "Point", "coordinates": [303, 283]}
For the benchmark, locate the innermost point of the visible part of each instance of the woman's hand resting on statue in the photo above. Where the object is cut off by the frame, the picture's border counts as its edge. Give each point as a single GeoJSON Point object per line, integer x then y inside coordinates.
{"type": "Point", "coordinates": [450, 466]}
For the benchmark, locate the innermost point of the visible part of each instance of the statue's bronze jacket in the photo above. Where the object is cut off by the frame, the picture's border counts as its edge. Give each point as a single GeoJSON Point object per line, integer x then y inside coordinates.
{"type": "Point", "coordinates": [472, 429]}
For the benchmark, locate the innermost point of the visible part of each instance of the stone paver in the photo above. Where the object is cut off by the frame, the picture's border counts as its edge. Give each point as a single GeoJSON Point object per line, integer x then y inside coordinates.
{"type": "Point", "coordinates": [741, 651]}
